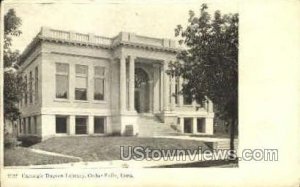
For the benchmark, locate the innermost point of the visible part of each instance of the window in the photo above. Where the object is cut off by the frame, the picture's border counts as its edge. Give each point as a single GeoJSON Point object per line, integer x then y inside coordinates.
{"type": "Point", "coordinates": [24, 126]}
{"type": "Point", "coordinates": [62, 80]}
{"type": "Point", "coordinates": [188, 125]}
{"type": "Point", "coordinates": [187, 99]}
{"type": "Point", "coordinates": [20, 125]}
{"type": "Point", "coordinates": [61, 124]}
{"type": "Point", "coordinates": [26, 91]}
{"type": "Point", "coordinates": [81, 125]}
{"type": "Point", "coordinates": [99, 125]}
{"type": "Point", "coordinates": [81, 82]}
{"type": "Point", "coordinates": [99, 83]}
{"type": "Point", "coordinates": [30, 86]}
{"type": "Point", "coordinates": [29, 125]}
{"type": "Point", "coordinates": [36, 84]}
{"type": "Point", "coordinates": [200, 125]}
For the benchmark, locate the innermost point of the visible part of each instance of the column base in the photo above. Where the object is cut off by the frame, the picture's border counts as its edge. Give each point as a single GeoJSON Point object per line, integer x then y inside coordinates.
{"type": "Point", "coordinates": [128, 123]}
{"type": "Point", "coordinates": [209, 126]}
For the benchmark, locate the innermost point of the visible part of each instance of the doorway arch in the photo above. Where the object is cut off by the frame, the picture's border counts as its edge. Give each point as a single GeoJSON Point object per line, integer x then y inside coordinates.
{"type": "Point", "coordinates": [142, 91]}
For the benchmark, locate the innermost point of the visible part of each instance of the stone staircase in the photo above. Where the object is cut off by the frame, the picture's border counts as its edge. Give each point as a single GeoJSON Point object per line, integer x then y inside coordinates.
{"type": "Point", "coordinates": [150, 125]}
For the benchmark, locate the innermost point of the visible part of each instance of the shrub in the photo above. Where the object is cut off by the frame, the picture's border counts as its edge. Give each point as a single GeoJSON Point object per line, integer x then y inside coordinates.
{"type": "Point", "coordinates": [10, 141]}
{"type": "Point", "coordinates": [29, 140]}
{"type": "Point", "coordinates": [115, 134]}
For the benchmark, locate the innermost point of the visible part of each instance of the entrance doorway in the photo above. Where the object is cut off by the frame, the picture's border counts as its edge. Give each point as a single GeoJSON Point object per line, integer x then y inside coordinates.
{"type": "Point", "coordinates": [141, 100]}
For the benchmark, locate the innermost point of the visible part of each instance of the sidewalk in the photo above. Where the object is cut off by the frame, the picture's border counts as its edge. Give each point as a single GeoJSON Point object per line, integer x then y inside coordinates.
{"type": "Point", "coordinates": [203, 139]}
{"type": "Point", "coordinates": [182, 159]}
{"type": "Point", "coordinates": [163, 161]}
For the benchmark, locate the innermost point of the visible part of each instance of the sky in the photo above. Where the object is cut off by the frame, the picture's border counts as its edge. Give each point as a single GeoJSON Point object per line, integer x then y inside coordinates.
{"type": "Point", "coordinates": [108, 17]}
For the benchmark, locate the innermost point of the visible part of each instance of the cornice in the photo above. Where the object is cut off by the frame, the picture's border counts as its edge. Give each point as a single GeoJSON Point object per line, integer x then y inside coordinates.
{"type": "Point", "coordinates": [115, 44]}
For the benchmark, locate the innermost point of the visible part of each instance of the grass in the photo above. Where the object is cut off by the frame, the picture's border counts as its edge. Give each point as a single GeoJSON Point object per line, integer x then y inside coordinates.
{"type": "Point", "coordinates": [108, 148]}
{"type": "Point", "coordinates": [215, 135]}
{"type": "Point", "coordinates": [21, 156]}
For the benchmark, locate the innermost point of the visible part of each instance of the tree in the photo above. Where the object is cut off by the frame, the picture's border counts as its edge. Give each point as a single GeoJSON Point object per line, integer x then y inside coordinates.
{"type": "Point", "coordinates": [13, 82]}
{"type": "Point", "coordinates": [209, 63]}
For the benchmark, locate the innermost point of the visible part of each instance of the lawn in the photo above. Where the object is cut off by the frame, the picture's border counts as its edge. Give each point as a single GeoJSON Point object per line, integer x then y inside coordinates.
{"type": "Point", "coordinates": [21, 156]}
{"type": "Point", "coordinates": [108, 148]}
{"type": "Point", "coordinates": [215, 135]}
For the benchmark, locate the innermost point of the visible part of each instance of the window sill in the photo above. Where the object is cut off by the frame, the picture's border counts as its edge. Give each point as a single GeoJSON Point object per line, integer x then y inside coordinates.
{"type": "Point", "coordinates": [99, 101]}
{"type": "Point", "coordinates": [81, 101]}
{"type": "Point", "coordinates": [62, 100]}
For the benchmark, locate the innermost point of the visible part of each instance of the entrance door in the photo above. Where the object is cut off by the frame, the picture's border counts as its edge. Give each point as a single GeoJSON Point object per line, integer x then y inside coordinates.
{"type": "Point", "coordinates": [141, 91]}
{"type": "Point", "coordinates": [137, 105]}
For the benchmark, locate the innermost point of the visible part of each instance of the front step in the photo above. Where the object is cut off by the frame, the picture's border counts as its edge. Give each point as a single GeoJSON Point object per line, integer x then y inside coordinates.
{"type": "Point", "coordinates": [150, 126]}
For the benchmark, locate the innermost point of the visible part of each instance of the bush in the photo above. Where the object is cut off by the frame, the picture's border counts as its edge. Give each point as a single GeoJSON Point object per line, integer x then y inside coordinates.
{"type": "Point", "coordinates": [115, 134]}
{"type": "Point", "coordinates": [10, 141]}
{"type": "Point", "coordinates": [29, 140]}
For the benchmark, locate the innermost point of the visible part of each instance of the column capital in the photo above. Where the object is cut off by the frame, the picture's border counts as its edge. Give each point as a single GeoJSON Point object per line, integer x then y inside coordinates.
{"type": "Point", "coordinates": [156, 65]}
{"type": "Point", "coordinates": [132, 57]}
{"type": "Point", "coordinates": [122, 57]}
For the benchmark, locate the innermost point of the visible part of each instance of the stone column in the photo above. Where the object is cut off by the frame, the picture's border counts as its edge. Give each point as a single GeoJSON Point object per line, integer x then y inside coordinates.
{"type": "Point", "coordinates": [194, 125]}
{"type": "Point", "coordinates": [180, 96]}
{"type": "Point", "coordinates": [90, 124]}
{"type": "Point", "coordinates": [71, 125]}
{"type": "Point", "coordinates": [182, 125]}
{"type": "Point", "coordinates": [123, 84]}
{"type": "Point", "coordinates": [161, 88]}
{"type": "Point", "coordinates": [166, 87]}
{"type": "Point", "coordinates": [131, 83]}
{"type": "Point", "coordinates": [173, 104]}
{"type": "Point", "coordinates": [150, 96]}
{"type": "Point", "coordinates": [156, 83]}
{"type": "Point", "coordinates": [209, 125]}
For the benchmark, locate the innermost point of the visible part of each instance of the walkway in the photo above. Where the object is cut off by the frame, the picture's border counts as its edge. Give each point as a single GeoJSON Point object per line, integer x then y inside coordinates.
{"type": "Point", "coordinates": [164, 161]}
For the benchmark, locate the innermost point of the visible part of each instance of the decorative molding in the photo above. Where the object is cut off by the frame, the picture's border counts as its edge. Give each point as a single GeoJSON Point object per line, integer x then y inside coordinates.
{"type": "Point", "coordinates": [79, 55]}
{"type": "Point", "coordinates": [31, 61]}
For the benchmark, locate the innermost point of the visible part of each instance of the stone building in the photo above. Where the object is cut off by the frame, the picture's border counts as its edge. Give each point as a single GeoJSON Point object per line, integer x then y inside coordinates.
{"type": "Point", "coordinates": [87, 84]}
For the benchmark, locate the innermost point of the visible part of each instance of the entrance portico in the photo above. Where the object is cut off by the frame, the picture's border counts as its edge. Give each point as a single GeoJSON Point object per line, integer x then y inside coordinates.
{"type": "Point", "coordinates": [144, 87]}
{"type": "Point", "coordinates": [148, 79]}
